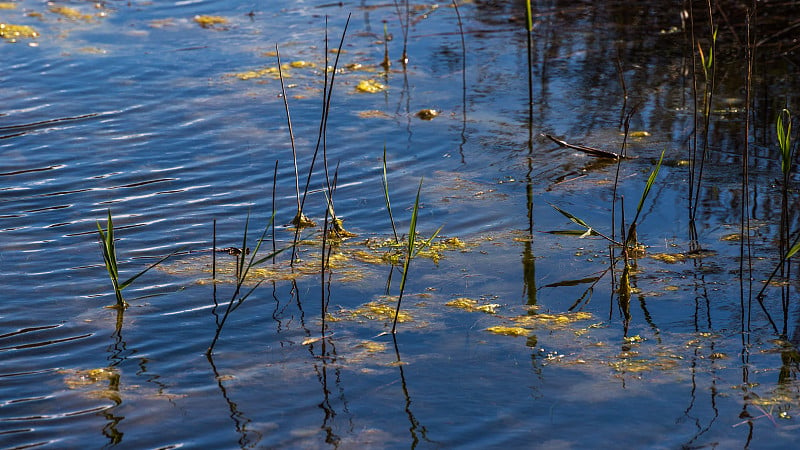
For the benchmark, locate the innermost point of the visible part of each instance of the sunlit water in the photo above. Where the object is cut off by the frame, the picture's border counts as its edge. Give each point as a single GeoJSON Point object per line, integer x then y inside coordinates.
{"type": "Point", "coordinates": [138, 109]}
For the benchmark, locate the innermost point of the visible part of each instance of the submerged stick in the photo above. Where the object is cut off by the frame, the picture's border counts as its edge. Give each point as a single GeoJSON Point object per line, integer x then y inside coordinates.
{"type": "Point", "coordinates": [581, 148]}
{"type": "Point", "coordinates": [33, 125]}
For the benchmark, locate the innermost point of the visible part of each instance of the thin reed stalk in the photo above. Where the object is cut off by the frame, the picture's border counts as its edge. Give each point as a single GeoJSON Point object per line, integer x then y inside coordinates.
{"type": "Point", "coordinates": [708, 64]}
{"type": "Point", "coordinates": [404, 24]}
{"type": "Point", "coordinates": [326, 104]}
{"type": "Point", "coordinates": [745, 253]}
{"type": "Point", "coordinates": [529, 38]}
{"type": "Point", "coordinates": [385, 181]}
{"type": "Point", "coordinates": [243, 267]}
{"type": "Point", "coordinates": [300, 220]}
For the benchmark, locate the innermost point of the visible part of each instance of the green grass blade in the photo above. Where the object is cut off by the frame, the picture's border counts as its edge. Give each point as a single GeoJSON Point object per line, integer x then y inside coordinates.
{"type": "Point", "coordinates": [427, 243]}
{"type": "Point", "coordinates": [110, 257]}
{"type": "Point", "coordinates": [254, 253]}
{"type": "Point", "coordinates": [783, 128]}
{"type": "Point", "coordinates": [412, 227]}
{"type": "Point", "coordinates": [571, 217]}
{"type": "Point", "coordinates": [107, 247]}
{"type": "Point", "coordinates": [386, 196]}
{"type": "Point", "coordinates": [650, 180]}
{"type": "Point", "coordinates": [271, 255]}
{"type": "Point", "coordinates": [131, 279]}
{"type": "Point", "coordinates": [412, 236]}
{"type": "Point", "coordinates": [792, 251]}
{"type": "Point", "coordinates": [243, 254]}
{"type": "Point", "coordinates": [528, 15]}
{"type": "Point", "coordinates": [111, 245]}
{"type": "Point", "coordinates": [589, 230]}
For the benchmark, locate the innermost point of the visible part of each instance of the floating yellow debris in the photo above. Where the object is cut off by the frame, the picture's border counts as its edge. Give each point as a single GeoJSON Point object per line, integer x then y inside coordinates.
{"type": "Point", "coordinates": [508, 331]}
{"type": "Point", "coordinates": [92, 50]}
{"type": "Point", "coordinates": [78, 378]}
{"type": "Point", "coordinates": [374, 114]}
{"type": "Point", "coordinates": [302, 64]}
{"type": "Point", "coordinates": [370, 86]}
{"type": "Point", "coordinates": [468, 304]}
{"type": "Point", "coordinates": [368, 257]}
{"type": "Point", "coordinates": [337, 230]}
{"type": "Point", "coordinates": [210, 21]}
{"type": "Point", "coordinates": [272, 72]}
{"type": "Point", "coordinates": [302, 221]}
{"type": "Point", "coordinates": [633, 339]}
{"type": "Point", "coordinates": [6, 5]}
{"type": "Point", "coordinates": [427, 114]}
{"type": "Point", "coordinates": [552, 319]}
{"type": "Point", "coordinates": [377, 311]}
{"type": "Point", "coordinates": [638, 134]}
{"type": "Point", "coordinates": [393, 251]}
{"type": "Point", "coordinates": [631, 365]}
{"type": "Point", "coordinates": [162, 23]}
{"type": "Point", "coordinates": [311, 340]}
{"type": "Point", "coordinates": [70, 13]}
{"type": "Point", "coordinates": [12, 32]}
{"type": "Point", "coordinates": [372, 346]}
{"type": "Point", "coordinates": [670, 258]}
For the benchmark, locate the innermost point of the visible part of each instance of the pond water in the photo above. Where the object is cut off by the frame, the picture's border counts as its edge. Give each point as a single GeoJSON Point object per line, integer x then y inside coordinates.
{"type": "Point", "coordinates": [514, 329]}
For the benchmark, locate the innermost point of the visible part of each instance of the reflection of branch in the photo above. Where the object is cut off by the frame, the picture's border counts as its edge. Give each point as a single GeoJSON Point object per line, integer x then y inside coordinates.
{"type": "Point", "coordinates": [587, 294]}
{"type": "Point", "coordinates": [763, 414]}
{"type": "Point", "coordinates": [463, 84]}
{"type": "Point", "coordinates": [239, 419]}
{"type": "Point", "coordinates": [700, 429]}
{"type": "Point", "coordinates": [118, 354]}
{"type": "Point", "coordinates": [110, 429]}
{"type": "Point", "coordinates": [415, 425]}
{"type": "Point", "coordinates": [529, 271]}
{"type": "Point", "coordinates": [322, 375]}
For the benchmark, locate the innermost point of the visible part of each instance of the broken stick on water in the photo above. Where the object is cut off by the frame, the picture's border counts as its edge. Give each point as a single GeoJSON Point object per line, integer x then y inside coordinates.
{"type": "Point", "coordinates": [588, 150]}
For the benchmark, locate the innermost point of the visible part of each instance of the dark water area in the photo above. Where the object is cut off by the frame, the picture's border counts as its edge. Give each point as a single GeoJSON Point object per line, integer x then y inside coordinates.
{"type": "Point", "coordinates": [516, 331]}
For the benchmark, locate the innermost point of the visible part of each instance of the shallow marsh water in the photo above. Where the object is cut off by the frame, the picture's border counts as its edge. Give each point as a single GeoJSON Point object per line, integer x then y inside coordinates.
{"type": "Point", "coordinates": [163, 130]}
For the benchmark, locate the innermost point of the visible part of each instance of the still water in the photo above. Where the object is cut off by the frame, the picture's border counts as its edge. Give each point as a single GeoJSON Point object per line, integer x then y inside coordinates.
{"type": "Point", "coordinates": [137, 108]}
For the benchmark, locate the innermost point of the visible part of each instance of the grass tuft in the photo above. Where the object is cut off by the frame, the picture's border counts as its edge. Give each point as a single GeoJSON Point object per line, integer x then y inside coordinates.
{"type": "Point", "coordinates": [109, 250]}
